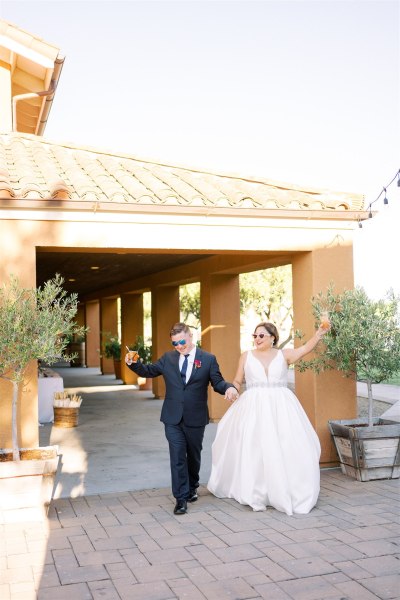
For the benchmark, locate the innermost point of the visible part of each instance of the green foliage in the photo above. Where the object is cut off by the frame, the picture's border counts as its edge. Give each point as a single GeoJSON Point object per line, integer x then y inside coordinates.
{"type": "Point", "coordinates": [269, 294]}
{"type": "Point", "coordinates": [189, 302]}
{"type": "Point", "coordinates": [112, 346]}
{"type": "Point", "coordinates": [75, 338]}
{"type": "Point", "coordinates": [364, 339]}
{"type": "Point", "coordinates": [35, 324]}
{"type": "Point", "coordinates": [144, 350]}
{"type": "Point", "coordinates": [395, 380]}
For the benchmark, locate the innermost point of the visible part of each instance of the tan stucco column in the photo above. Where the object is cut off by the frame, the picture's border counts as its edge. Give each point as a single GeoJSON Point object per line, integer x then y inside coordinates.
{"type": "Point", "coordinates": [220, 323]}
{"type": "Point", "coordinates": [329, 395]}
{"type": "Point", "coordinates": [164, 312]}
{"type": "Point", "coordinates": [131, 326]}
{"type": "Point", "coordinates": [21, 262]}
{"type": "Point", "coordinates": [92, 320]}
{"type": "Point", "coordinates": [108, 324]}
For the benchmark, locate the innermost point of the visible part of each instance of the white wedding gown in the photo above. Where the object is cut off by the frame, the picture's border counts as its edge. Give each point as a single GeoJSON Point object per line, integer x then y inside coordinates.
{"type": "Point", "coordinates": [266, 452]}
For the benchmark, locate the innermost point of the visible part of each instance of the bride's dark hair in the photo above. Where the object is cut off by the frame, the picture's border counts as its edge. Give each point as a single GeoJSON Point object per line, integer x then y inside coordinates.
{"type": "Point", "coordinates": [272, 330]}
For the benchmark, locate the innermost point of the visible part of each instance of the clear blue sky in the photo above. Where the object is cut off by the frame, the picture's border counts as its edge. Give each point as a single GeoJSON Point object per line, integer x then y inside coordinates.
{"type": "Point", "coordinates": [304, 92]}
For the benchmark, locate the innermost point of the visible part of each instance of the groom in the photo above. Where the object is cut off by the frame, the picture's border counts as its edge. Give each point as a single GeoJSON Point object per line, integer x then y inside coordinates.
{"type": "Point", "coordinates": [187, 371]}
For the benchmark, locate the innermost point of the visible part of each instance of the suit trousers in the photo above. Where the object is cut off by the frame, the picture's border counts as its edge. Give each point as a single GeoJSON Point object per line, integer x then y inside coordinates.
{"type": "Point", "coordinates": [185, 446]}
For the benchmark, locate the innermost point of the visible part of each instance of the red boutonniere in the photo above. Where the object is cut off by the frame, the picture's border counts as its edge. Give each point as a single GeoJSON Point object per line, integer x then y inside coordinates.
{"type": "Point", "coordinates": [197, 364]}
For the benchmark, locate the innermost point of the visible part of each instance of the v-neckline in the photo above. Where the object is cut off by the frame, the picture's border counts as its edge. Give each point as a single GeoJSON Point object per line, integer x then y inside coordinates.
{"type": "Point", "coordinates": [266, 371]}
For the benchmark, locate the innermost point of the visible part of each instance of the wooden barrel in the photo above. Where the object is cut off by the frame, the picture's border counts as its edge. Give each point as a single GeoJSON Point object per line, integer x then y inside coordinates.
{"type": "Point", "coordinates": [65, 416]}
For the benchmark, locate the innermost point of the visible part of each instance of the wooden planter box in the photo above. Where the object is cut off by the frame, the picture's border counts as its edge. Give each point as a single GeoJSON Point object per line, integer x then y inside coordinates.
{"type": "Point", "coordinates": [367, 454]}
{"type": "Point", "coordinates": [28, 483]}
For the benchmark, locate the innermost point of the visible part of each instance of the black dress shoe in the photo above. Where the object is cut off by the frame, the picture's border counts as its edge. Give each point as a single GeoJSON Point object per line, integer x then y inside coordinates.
{"type": "Point", "coordinates": [193, 497]}
{"type": "Point", "coordinates": [180, 507]}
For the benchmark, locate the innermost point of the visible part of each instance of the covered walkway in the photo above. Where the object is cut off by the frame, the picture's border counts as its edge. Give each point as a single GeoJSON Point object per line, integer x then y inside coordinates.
{"type": "Point", "coordinates": [119, 444]}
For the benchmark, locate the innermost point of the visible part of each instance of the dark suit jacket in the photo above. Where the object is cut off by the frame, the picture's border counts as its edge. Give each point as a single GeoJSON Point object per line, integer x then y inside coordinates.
{"type": "Point", "coordinates": [185, 401]}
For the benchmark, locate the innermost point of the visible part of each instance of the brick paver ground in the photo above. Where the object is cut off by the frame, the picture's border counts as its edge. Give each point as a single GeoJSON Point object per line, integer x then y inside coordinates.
{"type": "Point", "coordinates": [130, 546]}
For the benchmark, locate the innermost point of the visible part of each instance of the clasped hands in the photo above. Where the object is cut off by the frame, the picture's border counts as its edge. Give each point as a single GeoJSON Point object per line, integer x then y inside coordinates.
{"type": "Point", "coordinates": [231, 394]}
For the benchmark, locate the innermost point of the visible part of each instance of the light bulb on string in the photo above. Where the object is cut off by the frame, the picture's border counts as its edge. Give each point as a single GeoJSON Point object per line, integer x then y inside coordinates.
{"type": "Point", "coordinates": [385, 200]}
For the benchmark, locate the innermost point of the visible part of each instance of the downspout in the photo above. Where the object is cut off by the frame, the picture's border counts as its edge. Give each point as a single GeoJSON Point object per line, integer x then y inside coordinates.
{"type": "Point", "coordinates": [50, 92]}
{"type": "Point", "coordinates": [58, 64]}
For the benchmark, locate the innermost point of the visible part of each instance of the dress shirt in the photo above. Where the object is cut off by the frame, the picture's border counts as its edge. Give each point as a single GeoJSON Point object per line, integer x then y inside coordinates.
{"type": "Point", "coordinates": [191, 356]}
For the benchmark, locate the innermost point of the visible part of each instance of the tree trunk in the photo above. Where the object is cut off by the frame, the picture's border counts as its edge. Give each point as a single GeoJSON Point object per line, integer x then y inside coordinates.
{"type": "Point", "coordinates": [370, 403]}
{"type": "Point", "coordinates": [14, 422]}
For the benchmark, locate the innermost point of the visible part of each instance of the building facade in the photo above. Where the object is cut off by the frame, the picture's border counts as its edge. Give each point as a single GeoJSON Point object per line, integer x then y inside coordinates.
{"type": "Point", "coordinates": [116, 226]}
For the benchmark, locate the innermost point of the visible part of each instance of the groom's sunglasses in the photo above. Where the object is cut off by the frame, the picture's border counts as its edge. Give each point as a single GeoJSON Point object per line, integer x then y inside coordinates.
{"type": "Point", "coordinates": [260, 335]}
{"type": "Point", "coordinates": [179, 343]}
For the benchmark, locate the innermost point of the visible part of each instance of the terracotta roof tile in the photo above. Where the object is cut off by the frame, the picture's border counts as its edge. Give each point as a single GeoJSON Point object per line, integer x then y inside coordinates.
{"type": "Point", "coordinates": [31, 167]}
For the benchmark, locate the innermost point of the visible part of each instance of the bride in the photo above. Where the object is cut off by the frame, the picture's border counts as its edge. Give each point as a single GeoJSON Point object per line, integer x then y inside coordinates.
{"type": "Point", "coordinates": [266, 452]}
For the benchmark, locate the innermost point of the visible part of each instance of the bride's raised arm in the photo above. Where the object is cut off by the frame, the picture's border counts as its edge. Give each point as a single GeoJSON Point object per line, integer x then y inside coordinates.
{"type": "Point", "coordinates": [295, 354]}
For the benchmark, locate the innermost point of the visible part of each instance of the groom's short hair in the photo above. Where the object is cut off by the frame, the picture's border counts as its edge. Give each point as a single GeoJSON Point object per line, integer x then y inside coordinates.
{"type": "Point", "coordinates": [179, 328]}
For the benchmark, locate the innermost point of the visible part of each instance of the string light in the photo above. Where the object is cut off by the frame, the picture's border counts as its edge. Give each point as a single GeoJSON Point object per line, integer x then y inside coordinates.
{"type": "Point", "coordinates": [385, 199]}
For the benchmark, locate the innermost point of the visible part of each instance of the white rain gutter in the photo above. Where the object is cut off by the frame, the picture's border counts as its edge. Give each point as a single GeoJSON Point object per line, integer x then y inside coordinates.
{"type": "Point", "coordinates": [50, 92]}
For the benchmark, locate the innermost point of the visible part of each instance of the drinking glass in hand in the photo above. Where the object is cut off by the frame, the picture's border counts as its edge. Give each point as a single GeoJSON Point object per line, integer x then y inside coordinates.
{"type": "Point", "coordinates": [131, 356]}
{"type": "Point", "coordinates": [325, 322]}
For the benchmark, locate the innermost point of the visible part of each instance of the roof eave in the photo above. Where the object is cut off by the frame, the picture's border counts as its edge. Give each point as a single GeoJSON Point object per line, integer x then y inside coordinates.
{"type": "Point", "coordinates": [62, 205]}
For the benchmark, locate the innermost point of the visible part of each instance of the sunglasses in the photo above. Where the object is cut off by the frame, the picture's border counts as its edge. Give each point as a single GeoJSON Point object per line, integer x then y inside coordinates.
{"type": "Point", "coordinates": [260, 335]}
{"type": "Point", "coordinates": [179, 343]}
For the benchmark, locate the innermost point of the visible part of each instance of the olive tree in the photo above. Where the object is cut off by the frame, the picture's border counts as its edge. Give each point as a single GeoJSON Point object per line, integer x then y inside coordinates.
{"type": "Point", "coordinates": [364, 339]}
{"type": "Point", "coordinates": [35, 324]}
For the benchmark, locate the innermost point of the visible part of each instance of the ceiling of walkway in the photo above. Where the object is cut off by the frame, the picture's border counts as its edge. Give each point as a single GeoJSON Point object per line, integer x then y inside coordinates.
{"type": "Point", "coordinates": [87, 272]}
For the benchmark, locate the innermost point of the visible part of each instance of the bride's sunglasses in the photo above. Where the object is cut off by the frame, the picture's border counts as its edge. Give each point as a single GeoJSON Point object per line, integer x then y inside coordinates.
{"type": "Point", "coordinates": [260, 335]}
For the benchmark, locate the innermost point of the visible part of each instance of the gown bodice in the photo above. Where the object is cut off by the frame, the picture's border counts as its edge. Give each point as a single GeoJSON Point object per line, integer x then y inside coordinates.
{"type": "Point", "coordinates": [256, 376]}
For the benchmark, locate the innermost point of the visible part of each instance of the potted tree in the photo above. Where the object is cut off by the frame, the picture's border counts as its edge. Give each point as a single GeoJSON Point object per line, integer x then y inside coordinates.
{"type": "Point", "coordinates": [112, 349]}
{"type": "Point", "coordinates": [364, 344]}
{"type": "Point", "coordinates": [145, 355]}
{"type": "Point", "coordinates": [34, 326]}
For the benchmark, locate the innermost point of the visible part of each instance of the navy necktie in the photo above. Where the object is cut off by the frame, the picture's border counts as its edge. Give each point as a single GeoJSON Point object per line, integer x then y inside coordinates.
{"type": "Point", "coordinates": [184, 369]}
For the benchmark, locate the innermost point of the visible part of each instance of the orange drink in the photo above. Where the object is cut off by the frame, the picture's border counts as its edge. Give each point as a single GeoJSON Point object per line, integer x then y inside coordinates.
{"type": "Point", "coordinates": [325, 322]}
{"type": "Point", "coordinates": [132, 356]}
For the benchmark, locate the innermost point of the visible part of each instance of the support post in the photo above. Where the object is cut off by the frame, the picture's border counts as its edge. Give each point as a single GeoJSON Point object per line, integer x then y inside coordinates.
{"type": "Point", "coordinates": [220, 323]}
{"type": "Point", "coordinates": [131, 326]}
{"type": "Point", "coordinates": [108, 324]}
{"type": "Point", "coordinates": [165, 312]}
{"type": "Point", "coordinates": [328, 395]}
